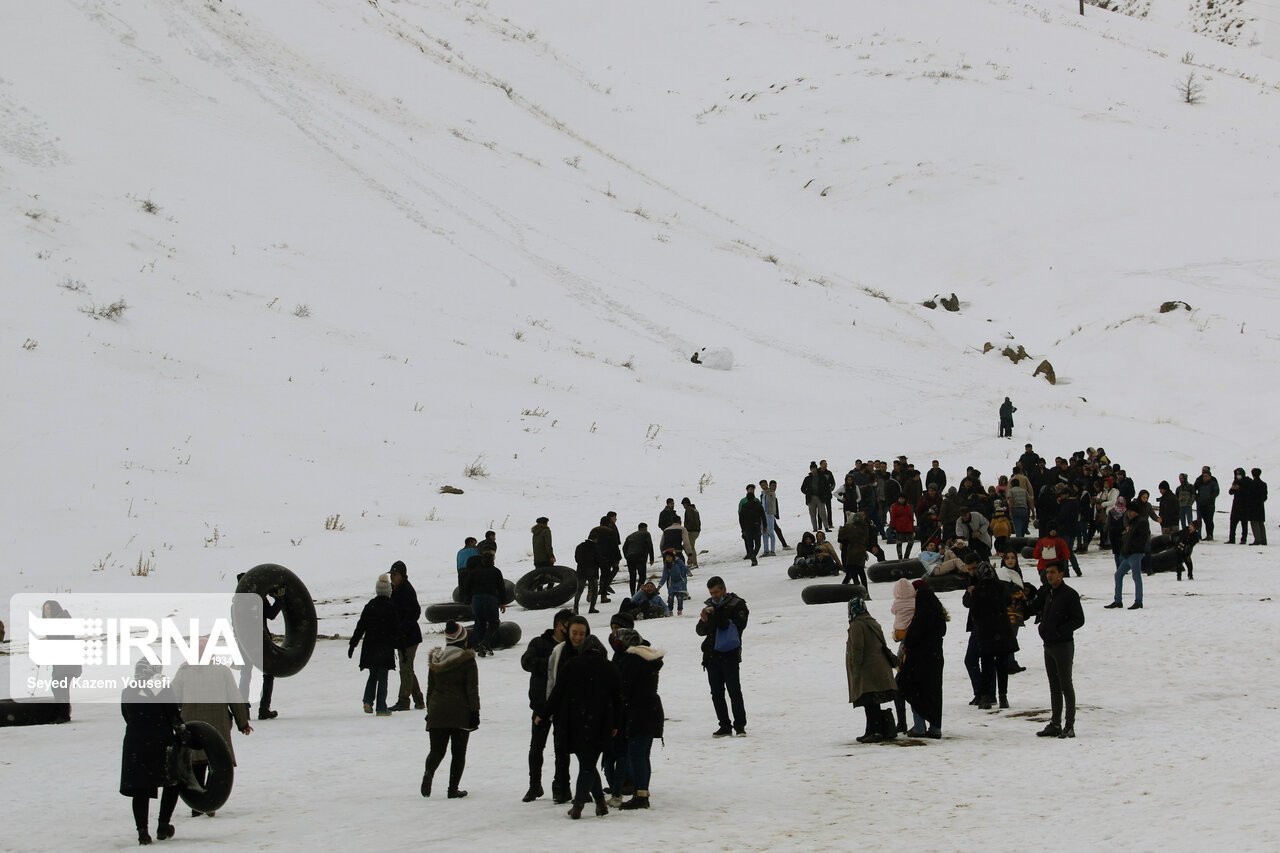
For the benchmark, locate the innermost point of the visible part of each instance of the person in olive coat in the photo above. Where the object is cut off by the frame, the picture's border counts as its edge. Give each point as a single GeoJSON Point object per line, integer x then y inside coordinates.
{"type": "Point", "coordinates": [453, 708]}
{"type": "Point", "coordinates": [867, 669]}
{"type": "Point", "coordinates": [379, 628]}
{"type": "Point", "coordinates": [152, 724]}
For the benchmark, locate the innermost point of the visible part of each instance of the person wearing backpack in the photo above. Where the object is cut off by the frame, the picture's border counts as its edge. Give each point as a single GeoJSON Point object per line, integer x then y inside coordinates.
{"type": "Point", "coordinates": [1051, 547]}
{"type": "Point", "coordinates": [721, 625]}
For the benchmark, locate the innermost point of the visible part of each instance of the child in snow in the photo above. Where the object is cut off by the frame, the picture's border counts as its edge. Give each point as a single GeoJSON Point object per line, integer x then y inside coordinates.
{"type": "Point", "coordinates": [675, 577]}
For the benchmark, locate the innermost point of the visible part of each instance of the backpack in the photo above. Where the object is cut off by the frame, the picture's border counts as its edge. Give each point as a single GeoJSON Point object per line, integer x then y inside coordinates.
{"type": "Point", "coordinates": [1001, 526]}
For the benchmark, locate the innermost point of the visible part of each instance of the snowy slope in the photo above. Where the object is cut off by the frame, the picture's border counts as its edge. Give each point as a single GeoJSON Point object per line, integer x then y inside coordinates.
{"type": "Point", "coordinates": [364, 245]}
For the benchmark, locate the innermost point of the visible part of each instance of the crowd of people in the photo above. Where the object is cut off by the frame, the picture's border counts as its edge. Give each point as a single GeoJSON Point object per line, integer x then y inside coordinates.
{"type": "Point", "coordinates": [596, 698]}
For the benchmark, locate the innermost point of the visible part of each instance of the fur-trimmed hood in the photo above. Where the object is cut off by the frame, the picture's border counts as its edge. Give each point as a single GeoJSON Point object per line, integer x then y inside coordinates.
{"type": "Point", "coordinates": [646, 652]}
{"type": "Point", "coordinates": [449, 657]}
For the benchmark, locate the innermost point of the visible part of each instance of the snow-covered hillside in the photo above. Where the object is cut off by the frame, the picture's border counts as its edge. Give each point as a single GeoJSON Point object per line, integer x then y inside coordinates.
{"type": "Point", "coordinates": [361, 246]}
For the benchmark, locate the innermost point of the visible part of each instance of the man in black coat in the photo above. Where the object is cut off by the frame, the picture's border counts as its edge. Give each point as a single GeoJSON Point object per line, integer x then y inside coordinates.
{"type": "Point", "coordinates": [485, 588]}
{"type": "Point", "coordinates": [1258, 512]}
{"type": "Point", "coordinates": [405, 598]}
{"type": "Point", "coordinates": [586, 558]}
{"type": "Point", "coordinates": [669, 515]}
{"type": "Point", "coordinates": [1059, 615]}
{"type": "Point", "coordinates": [534, 661]}
{"type": "Point", "coordinates": [937, 477]}
{"type": "Point", "coordinates": [637, 548]}
{"type": "Point", "coordinates": [721, 624]}
{"type": "Point", "coordinates": [1206, 497]}
{"type": "Point", "coordinates": [751, 520]}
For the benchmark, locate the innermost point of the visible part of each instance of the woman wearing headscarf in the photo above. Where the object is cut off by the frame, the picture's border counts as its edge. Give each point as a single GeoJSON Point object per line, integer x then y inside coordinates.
{"type": "Point", "coordinates": [868, 669]}
{"type": "Point", "coordinates": [152, 724]}
{"type": "Point", "coordinates": [921, 675]}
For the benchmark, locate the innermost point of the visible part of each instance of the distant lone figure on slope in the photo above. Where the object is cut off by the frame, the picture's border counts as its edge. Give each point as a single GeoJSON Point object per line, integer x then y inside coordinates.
{"type": "Point", "coordinates": [1007, 409]}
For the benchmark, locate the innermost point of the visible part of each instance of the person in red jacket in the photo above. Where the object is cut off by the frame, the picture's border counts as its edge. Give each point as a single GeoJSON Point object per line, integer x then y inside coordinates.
{"type": "Point", "coordinates": [1052, 548]}
{"type": "Point", "coordinates": [902, 518]}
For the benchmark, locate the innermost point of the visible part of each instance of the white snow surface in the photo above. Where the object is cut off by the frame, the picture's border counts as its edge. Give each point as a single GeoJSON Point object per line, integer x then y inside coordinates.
{"type": "Point", "coordinates": [366, 245]}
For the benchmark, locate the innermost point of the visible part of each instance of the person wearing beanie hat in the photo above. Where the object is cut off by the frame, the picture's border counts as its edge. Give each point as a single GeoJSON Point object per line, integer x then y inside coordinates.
{"type": "Point", "coordinates": [379, 629]}
{"type": "Point", "coordinates": [544, 554]}
{"type": "Point", "coordinates": [868, 669]}
{"type": "Point", "coordinates": [405, 598]}
{"type": "Point", "coordinates": [675, 577]}
{"type": "Point", "coordinates": [453, 707]}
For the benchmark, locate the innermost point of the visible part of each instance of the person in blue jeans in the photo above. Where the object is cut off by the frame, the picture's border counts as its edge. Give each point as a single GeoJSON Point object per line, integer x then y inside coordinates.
{"type": "Point", "coordinates": [484, 587]}
{"type": "Point", "coordinates": [1133, 547]}
{"type": "Point", "coordinates": [721, 625]}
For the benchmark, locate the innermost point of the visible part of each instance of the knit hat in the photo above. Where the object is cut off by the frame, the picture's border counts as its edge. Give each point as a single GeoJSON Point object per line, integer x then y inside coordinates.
{"type": "Point", "coordinates": [455, 634]}
{"type": "Point", "coordinates": [542, 519]}
{"type": "Point", "coordinates": [622, 620]}
{"type": "Point", "coordinates": [398, 566]}
{"type": "Point", "coordinates": [383, 586]}
{"type": "Point", "coordinates": [626, 637]}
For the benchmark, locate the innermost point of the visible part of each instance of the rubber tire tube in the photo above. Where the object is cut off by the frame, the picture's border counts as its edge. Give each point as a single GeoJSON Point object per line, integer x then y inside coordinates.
{"type": "Point", "coordinates": [281, 658]}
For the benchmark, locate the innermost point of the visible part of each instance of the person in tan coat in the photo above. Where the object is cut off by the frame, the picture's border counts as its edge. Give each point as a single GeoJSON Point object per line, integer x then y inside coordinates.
{"type": "Point", "coordinates": [209, 693]}
{"type": "Point", "coordinates": [869, 672]}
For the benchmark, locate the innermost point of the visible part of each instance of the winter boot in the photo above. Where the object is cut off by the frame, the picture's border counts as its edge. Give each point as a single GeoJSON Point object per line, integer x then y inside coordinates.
{"type": "Point", "coordinates": [164, 830]}
{"type": "Point", "coordinates": [560, 796]}
{"type": "Point", "coordinates": [1004, 701]}
{"type": "Point", "coordinates": [575, 812]}
{"type": "Point", "coordinates": [425, 787]}
{"type": "Point", "coordinates": [870, 735]}
{"type": "Point", "coordinates": [144, 837]}
{"type": "Point", "coordinates": [535, 791]}
{"type": "Point", "coordinates": [456, 793]}
{"type": "Point", "coordinates": [602, 808]}
{"type": "Point", "coordinates": [639, 801]}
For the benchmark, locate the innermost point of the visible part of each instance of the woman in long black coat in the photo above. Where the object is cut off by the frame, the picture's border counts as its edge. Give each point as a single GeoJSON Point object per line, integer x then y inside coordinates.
{"type": "Point", "coordinates": [587, 698]}
{"type": "Point", "coordinates": [152, 724]}
{"type": "Point", "coordinates": [638, 665]}
{"type": "Point", "coordinates": [920, 678]}
{"type": "Point", "coordinates": [379, 628]}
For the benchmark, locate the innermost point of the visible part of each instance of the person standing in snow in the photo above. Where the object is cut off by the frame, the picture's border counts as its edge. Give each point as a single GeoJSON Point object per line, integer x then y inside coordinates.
{"type": "Point", "coordinates": [405, 598]}
{"type": "Point", "coordinates": [544, 554]}
{"type": "Point", "coordinates": [1007, 408]}
{"type": "Point", "coordinates": [1206, 497]}
{"type": "Point", "coordinates": [271, 608]}
{"type": "Point", "coordinates": [587, 559]}
{"type": "Point", "coordinates": [535, 660]}
{"type": "Point", "coordinates": [152, 726]}
{"type": "Point", "coordinates": [636, 549]}
{"type": "Point", "coordinates": [1059, 615]}
{"type": "Point", "coordinates": [692, 527]}
{"type": "Point", "coordinates": [675, 577]}
{"type": "Point", "coordinates": [816, 496]}
{"type": "Point", "coordinates": [868, 669]}
{"type": "Point", "coordinates": [638, 666]}
{"type": "Point", "coordinates": [1258, 512]}
{"type": "Point", "coordinates": [379, 628]}
{"type": "Point", "coordinates": [485, 589]}
{"type": "Point", "coordinates": [1241, 491]}
{"type": "Point", "coordinates": [610, 546]}
{"type": "Point", "coordinates": [453, 709]}
{"type": "Point", "coordinates": [721, 624]}
{"type": "Point", "coordinates": [920, 678]}
{"type": "Point", "coordinates": [1186, 493]}
{"type": "Point", "coordinates": [668, 515]}
{"type": "Point", "coordinates": [586, 698]}
{"type": "Point", "coordinates": [1133, 547]}
{"type": "Point", "coordinates": [751, 520]}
